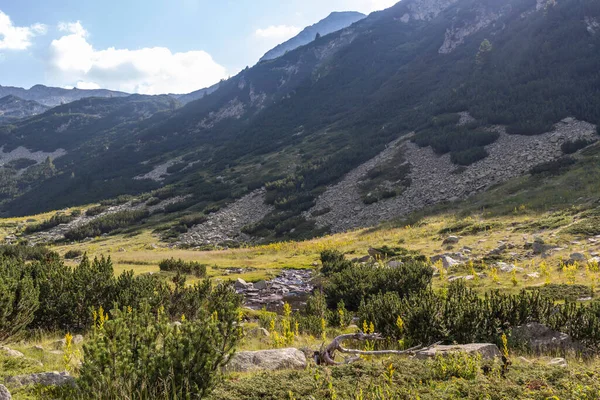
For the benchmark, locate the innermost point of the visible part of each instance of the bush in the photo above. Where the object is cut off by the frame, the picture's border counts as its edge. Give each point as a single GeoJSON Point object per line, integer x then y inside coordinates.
{"type": "Point", "coordinates": [186, 267]}
{"type": "Point", "coordinates": [97, 210]}
{"type": "Point", "coordinates": [574, 146]}
{"type": "Point", "coordinates": [55, 220]}
{"type": "Point", "coordinates": [107, 224]}
{"type": "Point", "coordinates": [18, 299]}
{"type": "Point", "coordinates": [72, 254]}
{"type": "Point", "coordinates": [141, 354]}
{"type": "Point", "coordinates": [552, 167]}
{"type": "Point", "coordinates": [469, 156]}
{"type": "Point", "coordinates": [176, 167]}
{"type": "Point", "coordinates": [358, 282]}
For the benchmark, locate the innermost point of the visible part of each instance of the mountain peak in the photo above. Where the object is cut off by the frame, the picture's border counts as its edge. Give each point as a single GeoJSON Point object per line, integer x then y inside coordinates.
{"type": "Point", "coordinates": [333, 22]}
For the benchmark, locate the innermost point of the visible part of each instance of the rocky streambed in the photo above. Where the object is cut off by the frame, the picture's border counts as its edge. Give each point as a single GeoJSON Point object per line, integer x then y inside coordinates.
{"type": "Point", "coordinates": [291, 286]}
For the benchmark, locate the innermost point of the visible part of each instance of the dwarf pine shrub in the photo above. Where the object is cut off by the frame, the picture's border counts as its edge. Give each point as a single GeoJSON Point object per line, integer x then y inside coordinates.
{"type": "Point", "coordinates": [140, 354]}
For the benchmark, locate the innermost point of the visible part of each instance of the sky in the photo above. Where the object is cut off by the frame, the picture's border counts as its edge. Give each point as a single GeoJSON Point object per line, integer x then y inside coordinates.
{"type": "Point", "coordinates": [148, 46]}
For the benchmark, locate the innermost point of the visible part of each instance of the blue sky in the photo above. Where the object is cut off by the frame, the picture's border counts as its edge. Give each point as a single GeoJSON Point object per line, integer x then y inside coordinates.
{"type": "Point", "coordinates": [148, 46]}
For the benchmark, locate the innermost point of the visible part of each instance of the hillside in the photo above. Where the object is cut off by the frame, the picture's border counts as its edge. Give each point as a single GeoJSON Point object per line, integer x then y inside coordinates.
{"type": "Point", "coordinates": [13, 108]}
{"type": "Point", "coordinates": [333, 22]}
{"type": "Point", "coordinates": [52, 96]}
{"type": "Point", "coordinates": [461, 74]}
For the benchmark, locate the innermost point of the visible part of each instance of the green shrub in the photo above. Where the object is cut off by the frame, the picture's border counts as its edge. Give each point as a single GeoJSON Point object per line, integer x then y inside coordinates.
{"type": "Point", "coordinates": [176, 167]}
{"type": "Point", "coordinates": [455, 365]}
{"type": "Point", "coordinates": [571, 147]}
{"type": "Point", "coordinates": [106, 224]}
{"type": "Point", "coordinates": [55, 220]}
{"type": "Point", "coordinates": [18, 299]}
{"type": "Point", "coordinates": [588, 227]}
{"type": "Point", "coordinates": [141, 354]}
{"type": "Point", "coordinates": [96, 210]}
{"type": "Point", "coordinates": [153, 201]}
{"type": "Point", "coordinates": [72, 254]}
{"type": "Point", "coordinates": [469, 156]}
{"type": "Point", "coordinates": [186, 267]}
{"type": "Point", "coordinates": [552, 167]}
{"type": "Point", "coordinates": [358, 282]}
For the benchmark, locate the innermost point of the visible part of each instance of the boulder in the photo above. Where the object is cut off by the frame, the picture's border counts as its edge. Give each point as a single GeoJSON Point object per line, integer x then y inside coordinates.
{"type": "Point", "coordinates": [259, 332]}
{"type": "Point", "coordinates": [8, 352]}
{"type": "Point", "coordinates": [260, 285]}
{"type": "Point", "coordinates": [451, 240]}
{"type": "Point", "coordinates": [540, 338]}
{"type": "Point", "coordinates": [558, 362]}
{"type": "Point", "coordinates": [449, 262]}
{"type": "Point", "coordinates": [577, 257]}
{"type": "Point", "coordinates": [504, 267]}
{"type": "Point", "coordinates": [488, 351]}
{"type": "Point", "coordinates": [4, 393]}
{"type": "Point", "coordinates": [241, 284]}
{"type": "Point", "coordinates": [271, 360]}
{"type": "Point", "coordinates": [43, 379]}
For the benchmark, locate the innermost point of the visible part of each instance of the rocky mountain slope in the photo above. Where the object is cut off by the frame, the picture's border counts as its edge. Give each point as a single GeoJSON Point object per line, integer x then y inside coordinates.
{"type": "Point", "coordinates": [460, 85]}
{"type": "Point", "coordinates": [334, 22]}
{"type": "Point", "coordinates": [52, 96]}
{"type": "Point", "coordinates": [13, 108]}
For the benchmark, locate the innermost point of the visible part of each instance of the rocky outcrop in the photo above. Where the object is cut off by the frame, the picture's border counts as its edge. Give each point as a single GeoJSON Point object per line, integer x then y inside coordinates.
{"type": "Point", "coordinates": [43, 379]}
{"type": "Point", "coordinates": [235, 109]}
{"type": "Point", "coordinates": [226, 225]}
{"type": "Point", "coordinates": [291, 286]}
{"type": "Point", "coordinates": [541, 339]}
{"type": "Point", "coordinates": [425, 10]}
{"type": "Point", "coordinates": [271, 360]}
{"type": "Point", "coordinates": [435, 179]}
{"type": "Point", "coordinates": [456, 35]}
{"type": "Point", "coordinates": [4, 393]}
{"type": "Point", "coordinates": [487, 351]}
{"type": "Point", "coordinates": [592, 24]}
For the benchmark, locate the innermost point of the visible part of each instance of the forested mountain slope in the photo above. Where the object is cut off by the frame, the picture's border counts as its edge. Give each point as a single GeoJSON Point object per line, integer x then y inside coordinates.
{"type": "Point", "coordinates": [300, 122]}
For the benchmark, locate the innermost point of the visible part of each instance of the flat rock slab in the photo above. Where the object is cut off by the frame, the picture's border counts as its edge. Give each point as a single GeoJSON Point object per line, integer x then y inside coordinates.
{"type": "Point", "coordinates": [44, 379]}
{"type": "Point", "coordinates": [271, 360]}
{"type": "Point", "coordinates": [488, 351]}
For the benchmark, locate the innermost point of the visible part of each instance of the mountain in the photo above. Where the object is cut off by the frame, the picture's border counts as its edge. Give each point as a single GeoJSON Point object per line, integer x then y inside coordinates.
{"type": "Point", "coordinates": [198, 94]}
{"type": "Point", "coordinates": [52, 96]}
{"type": "Point", "coordinates": [13, 108]}
{"type": "Point", "coordinates": [425, 102]}
{"type": "Point", "coordinates": [334, 22]}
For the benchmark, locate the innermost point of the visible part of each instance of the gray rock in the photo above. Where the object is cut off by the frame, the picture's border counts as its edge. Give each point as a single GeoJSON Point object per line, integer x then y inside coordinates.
{"type": "Point", "coordinates": [241, 284]}
{"type": "Point", "coordinates": [542, 339]}
{"type": "Point", "coordinates": [4, 393]}
{"type": "Point", "coordinates": [449, 262]}
{"type": "Point", "coordinates": [44, 379]}
{"type": "Point", "coordinates": [8, 352]}
{"type": "Point", "coordinates": [395, 264]}
{"type": "Point", "coordinates": [577, 257]}
{"type": "Point", "coordinates": [488, 351]}
{"type": "Point", "coordinates": [534, 275]}
{"type": "Point", "coordinates": [260, 285]}
{"type": "Point", "coordinates": [558, 362]}
{"type": "Point", "coordinates": [451, 240]}
{"type": "Point", "coordinates": [259, 332]}
{"type": "Point", "coordinates": [271, 360]}
{"type": "Point", "coordinates": [59, 344]}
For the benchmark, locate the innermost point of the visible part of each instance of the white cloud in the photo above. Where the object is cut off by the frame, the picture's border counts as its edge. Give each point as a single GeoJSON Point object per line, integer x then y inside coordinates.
{"type": "Point", "coordinates": [17, 37]}
{"type": "Point", "coordinates": [75, 62]}
{"type": "Point", "coordinates": [278, 32]}
{"type": "Point", "coordinates": [73, 27]}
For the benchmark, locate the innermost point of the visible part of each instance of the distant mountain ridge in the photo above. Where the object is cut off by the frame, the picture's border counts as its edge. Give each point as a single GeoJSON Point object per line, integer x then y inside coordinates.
{"type": "Point", "coordinates": [53, 96]}
{"type": "Point", "coordinates": [13, 108]}
{"type": "Point", "coordinates": [334, 22]}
